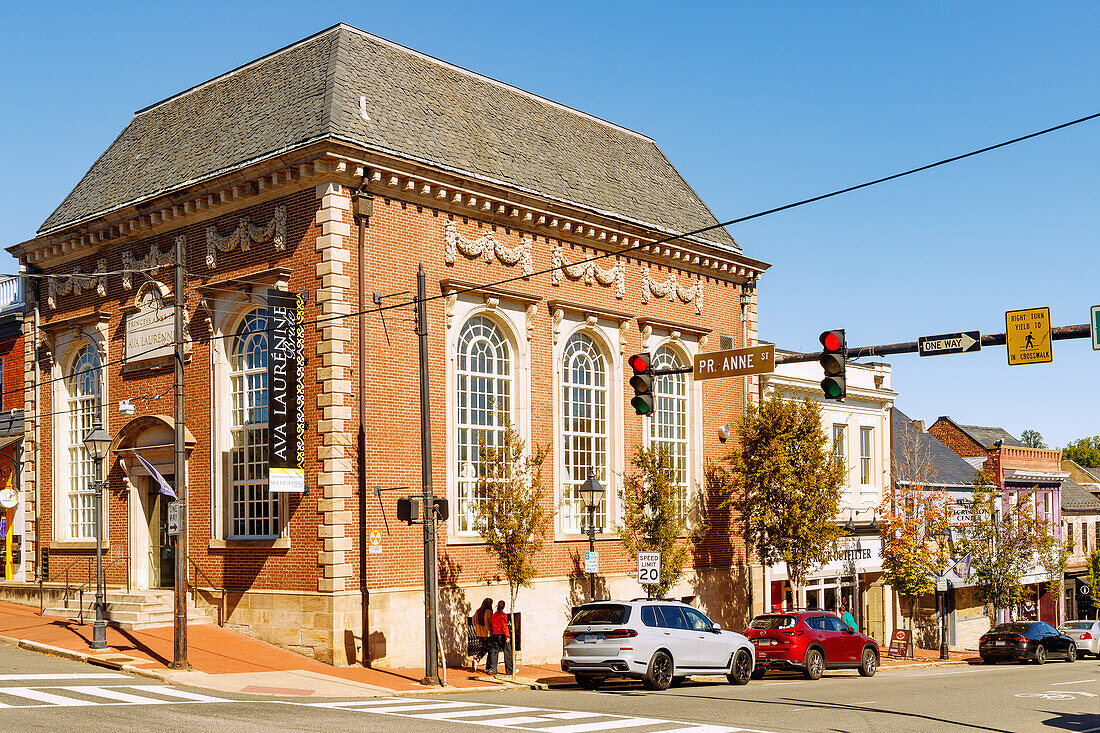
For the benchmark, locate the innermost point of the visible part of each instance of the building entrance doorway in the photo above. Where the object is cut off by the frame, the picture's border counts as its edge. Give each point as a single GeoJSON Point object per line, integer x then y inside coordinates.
{"type": "Point", "coordinates": [162, 546]}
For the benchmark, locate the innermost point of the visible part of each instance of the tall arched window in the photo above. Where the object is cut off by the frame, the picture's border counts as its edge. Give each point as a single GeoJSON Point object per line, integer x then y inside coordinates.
{"type": "Point", "coordinates": [669, 424]}
{"type": "Point", "coordinates": [254, 512]}
{"type": "Point", "coordinates": [483, 397]}
{"type": "Point", "coordinates": [84, 399]}
{"type": "Point", "coordinates": [584, 428]}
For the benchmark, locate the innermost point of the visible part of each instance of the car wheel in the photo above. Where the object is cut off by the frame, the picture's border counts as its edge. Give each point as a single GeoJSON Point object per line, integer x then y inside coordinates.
{"type": "Point", "coordinates": [741, 670]}
{"type": "Point", "coordinates": [1071, 654]}
{"type": "Point", "coordinates": [759, 672]}
{"type": "Point", "coordinates": [815, 664]}
{"type": "Point", "coordinates": [659, 674]}
{"type": "Point", "coordinates": [1040, 655]}
{"type": "Point", "coordinates": [870, 663]}
{"type": "Point", "coordinates": [588, 682]}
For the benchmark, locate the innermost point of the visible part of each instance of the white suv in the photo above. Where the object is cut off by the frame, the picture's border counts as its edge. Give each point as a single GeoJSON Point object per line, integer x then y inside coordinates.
{"type": "Point", "coordinates": [660, 642]}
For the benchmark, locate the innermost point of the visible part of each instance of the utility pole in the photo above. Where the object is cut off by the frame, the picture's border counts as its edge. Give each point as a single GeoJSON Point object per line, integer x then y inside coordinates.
{"type": "Point", "coordinates": [179, 636]}
{"type": "Point", "coordinates": [431, 582]}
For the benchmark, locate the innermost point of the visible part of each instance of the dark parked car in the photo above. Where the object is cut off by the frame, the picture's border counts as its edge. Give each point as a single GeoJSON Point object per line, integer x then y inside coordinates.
{"type": "Point", "coordinates": [810, 642]}
{"type": "Point", "coordinates": [1025, 641]}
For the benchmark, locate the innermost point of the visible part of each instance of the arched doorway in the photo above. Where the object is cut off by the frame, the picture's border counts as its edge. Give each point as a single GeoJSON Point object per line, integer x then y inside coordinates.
{"type": "Point", "coordinates": [152, 550]}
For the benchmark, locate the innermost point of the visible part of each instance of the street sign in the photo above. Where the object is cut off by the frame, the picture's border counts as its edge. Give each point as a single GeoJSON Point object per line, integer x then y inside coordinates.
{"type": "Point", "coordinates": [941, 583]}
{"type": "Point", "coordinates": [735, 362]}
{"type": "Point", "coordinates": [950, 343]}
{"type": "Point", "coordinates": [174, 518]}
{"type": "Point", "coordinates": [1094, 321]}
{"type": "Point", "coordinates": [375, 546]}
{"type": "Point", "coordinates": [591, 562]}
{"type": "Point", "coordinates": [649, 568]}
{"type": "Point", "coordinates": [1027, 336]}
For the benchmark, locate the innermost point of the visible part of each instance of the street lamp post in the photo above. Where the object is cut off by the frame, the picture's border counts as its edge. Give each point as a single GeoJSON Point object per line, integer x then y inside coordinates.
{"type": "Point", "coordinates": [591, 492]}
{"type": "Point", "coordinates": [98, 441]}
{"type": "Point", "coordinates": [943, 536]}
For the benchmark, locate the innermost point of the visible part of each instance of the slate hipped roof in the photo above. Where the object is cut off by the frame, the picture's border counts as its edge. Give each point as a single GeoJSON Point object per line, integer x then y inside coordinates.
{"type": "Point", "coordinates": [420, 109]}
{"type": "Point", "coordinates": [941, 465]}
{"type": "Point", "coordinates": [1076, 498]}
{"type": "Point", "coordinates": [986, 437]}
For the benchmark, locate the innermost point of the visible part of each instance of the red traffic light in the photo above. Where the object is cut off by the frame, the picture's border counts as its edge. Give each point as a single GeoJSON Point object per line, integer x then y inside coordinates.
{"type": "Point", "coordinates": [832, 340]}
{"type": "Point", "coordinates": [640, 362]}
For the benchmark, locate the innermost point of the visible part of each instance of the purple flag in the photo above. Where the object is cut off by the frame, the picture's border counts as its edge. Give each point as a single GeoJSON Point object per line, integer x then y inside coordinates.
{"type": "Point", "coordinates": [164, 487]}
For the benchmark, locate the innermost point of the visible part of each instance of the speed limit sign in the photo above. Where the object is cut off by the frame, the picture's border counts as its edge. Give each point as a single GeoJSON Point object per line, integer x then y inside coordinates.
{"type": "Point", "coordinates": [649, 568]}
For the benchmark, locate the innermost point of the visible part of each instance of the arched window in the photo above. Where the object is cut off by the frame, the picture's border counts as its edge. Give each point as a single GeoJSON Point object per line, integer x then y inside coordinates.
{"type": "Point", "coordinates": [84, 393]}
{"type": "Point", "coordinates": [584, 428]}
{"type": "Point", "coordinates": [669, 424]}
{"type": "Point", "coordinates": [254, 512]}
{"type": "Point", "coordinates": [483, 397]}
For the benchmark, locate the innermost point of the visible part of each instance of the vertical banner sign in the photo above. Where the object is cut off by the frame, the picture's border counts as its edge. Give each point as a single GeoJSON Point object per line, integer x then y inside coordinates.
{"type": "Point", "coordinates": [286, 392]}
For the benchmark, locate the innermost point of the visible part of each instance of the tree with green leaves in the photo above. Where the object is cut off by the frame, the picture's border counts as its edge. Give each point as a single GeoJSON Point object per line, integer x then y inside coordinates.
{"type": "Point", "coordinates": [1092, 563]}
{"type": "Point", "coordinates": [511, 515]}
{"type": "Point", "coordinates": [1084, 452]}
{"type": "Point", "coordinates": [656, 516]}
{"type": "Point", "coordinates": [1008, 541]}
{"type": "Point", "coordinates": [785, 485]}
{"type": "Point", "coordinates": [1032, 439]}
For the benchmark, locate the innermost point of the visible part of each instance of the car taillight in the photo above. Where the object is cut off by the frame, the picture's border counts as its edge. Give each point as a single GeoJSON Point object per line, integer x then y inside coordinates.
{"type": "Point", "coordinates": [620, 633]}
{"type": "Point", "coordinates": [1023, 639]}
{"type": "Point", "coordinates": [793, 633]}
{"type": "Point", "coordinates": [1086, 635]}
{"type": "Point", "coordinates": [567, 635]}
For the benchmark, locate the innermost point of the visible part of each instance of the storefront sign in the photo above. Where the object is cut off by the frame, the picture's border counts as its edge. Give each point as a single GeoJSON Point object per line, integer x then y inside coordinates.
{"type": "Point", "coordinates": [286, 392]}
{"type": "Point", "coordinates": [899, 643]}
{"type": "Point", "coordinates": [151, 330]}
{"type": "Point", "coordinates": [851, 555]}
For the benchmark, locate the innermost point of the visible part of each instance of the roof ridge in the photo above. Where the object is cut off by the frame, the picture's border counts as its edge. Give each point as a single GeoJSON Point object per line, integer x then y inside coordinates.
{"type": "Point", "coordinates": [242, 67]}
{"type": "Point", "coordinates": [491, 80]}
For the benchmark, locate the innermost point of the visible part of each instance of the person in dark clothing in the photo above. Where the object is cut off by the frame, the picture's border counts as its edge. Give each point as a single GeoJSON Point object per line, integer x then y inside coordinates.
{"type": "Point", "coordinates": [502, 636]}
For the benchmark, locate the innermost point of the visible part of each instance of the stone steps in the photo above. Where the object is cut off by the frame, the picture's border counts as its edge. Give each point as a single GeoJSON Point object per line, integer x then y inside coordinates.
{"type": "Point", "coordinates": [134, 610]}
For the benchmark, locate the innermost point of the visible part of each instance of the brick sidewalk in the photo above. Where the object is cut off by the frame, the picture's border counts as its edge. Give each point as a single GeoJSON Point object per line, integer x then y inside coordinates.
{"type": "Point", "coordinates": [214, 650]}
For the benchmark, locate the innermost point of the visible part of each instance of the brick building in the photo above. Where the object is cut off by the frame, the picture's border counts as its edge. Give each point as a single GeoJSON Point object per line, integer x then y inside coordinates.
{"type": "Point", "coordinates": [12, 519]}
{"type": "Point", "coordinates": [1081, 529]}
{"type": "Point", "coordinates": [479, 182]}
{"type": "Point", "coordinates": [1015, 469]}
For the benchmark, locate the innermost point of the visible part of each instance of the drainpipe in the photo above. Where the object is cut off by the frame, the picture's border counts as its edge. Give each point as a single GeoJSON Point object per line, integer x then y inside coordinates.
{"type": "Point", "coordinates": [747, 290]}
{"type": "Point", "coordinates": [362, 208]}
{"type": "Point", "coordinates": [37, 454]}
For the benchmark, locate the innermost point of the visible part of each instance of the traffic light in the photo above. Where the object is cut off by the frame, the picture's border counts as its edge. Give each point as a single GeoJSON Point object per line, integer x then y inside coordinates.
{"type": "Point", "coordinates": [835, 351]}
{"type": "Point", "coordinates": [642, 382]}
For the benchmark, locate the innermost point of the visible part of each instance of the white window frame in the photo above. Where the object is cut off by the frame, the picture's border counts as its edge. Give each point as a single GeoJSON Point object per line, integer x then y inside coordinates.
{"type": "Point", "coordinates": [574, 516]}
{"type": "Point", "coordinates": [84, 390]}
{"type": "Point", "coordinates": [662, 401]}
{"type": "Point", "coordinates": [866, 455]}
{"type": "Point", "coordinates": [68, 444]}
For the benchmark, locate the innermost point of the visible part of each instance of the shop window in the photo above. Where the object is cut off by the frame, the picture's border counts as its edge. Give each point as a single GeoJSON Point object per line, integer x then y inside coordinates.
{"type": "Point", "coordinates": [254, 512]}
{"type": "Point", "coordinates": [483, 402]}
{"type": "Point", "coordinates": [669, 423]}
{"type": "Point", "coordinates": [585, 428]}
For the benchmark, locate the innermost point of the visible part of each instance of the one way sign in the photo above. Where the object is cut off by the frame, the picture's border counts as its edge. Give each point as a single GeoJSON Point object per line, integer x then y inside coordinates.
{"type": "Point", "coordinates": [950, 343]}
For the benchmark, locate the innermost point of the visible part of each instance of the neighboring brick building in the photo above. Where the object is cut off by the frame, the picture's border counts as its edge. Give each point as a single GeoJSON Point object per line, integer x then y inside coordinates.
{"type": "Point", "coordinates": [12, 519]}
{"type": "Point", "coordinates": [473, 179]}
{"type": "Point", "coordinates": [1014, 468]}
{"type": "Point", "coordinates": [1081, 528]}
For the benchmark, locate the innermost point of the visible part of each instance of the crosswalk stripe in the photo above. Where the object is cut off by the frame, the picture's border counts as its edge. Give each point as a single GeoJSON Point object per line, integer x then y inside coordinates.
{"type": "Point", "coordinates": [173, 692]}
{"type": "Point", "coordinates": [572, 715]}
{"type": "Point", "coordinates": [414, 706]}
{"type": "Point", "coordinates": [32, 694]}
{"type": "Point", "coordinates": [603, 725]}
{"type": "Point", "coordinates": [112, 694]}
{"type": "Point", "coordinates": [52, 677]}
{"type": "Point", "coordinates": [508, 722]}
{"type": "Point", "coordinates": [368, 703]}
{"type": "Point", "coordinates": [504, 710]}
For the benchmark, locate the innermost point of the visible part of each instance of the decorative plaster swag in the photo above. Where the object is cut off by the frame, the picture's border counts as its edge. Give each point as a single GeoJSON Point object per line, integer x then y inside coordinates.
{"type": "Point", "coordinates": [78, 282]}
{"type": "Point", "coordinates": [590, 271]}
{"type": "Point", "coordinates": [486, 247]}
{"type": "Point", "coordinates": [155, 258]}
{"type": "Point", "coordinates": [245, 234]}
{"type": "Point", "coordinates": [670, 288]}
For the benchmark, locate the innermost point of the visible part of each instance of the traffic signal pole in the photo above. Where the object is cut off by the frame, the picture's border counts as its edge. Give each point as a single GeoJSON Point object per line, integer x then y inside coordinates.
{"type": "Point", "coordinates": [431, 580]}
{"type": "Point", "coordinates": [1059, 333]}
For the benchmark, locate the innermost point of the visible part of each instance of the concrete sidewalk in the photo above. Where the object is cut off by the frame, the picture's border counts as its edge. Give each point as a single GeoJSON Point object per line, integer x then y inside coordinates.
{"type": "Point", "coordinates": [228, 661]}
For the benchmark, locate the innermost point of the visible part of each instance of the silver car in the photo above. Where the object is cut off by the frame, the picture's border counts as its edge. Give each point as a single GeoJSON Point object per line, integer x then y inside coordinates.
{"type": "Point", "coordinates": [1085, 633]}
{"type": "Point", "coordinates": [659, 642]}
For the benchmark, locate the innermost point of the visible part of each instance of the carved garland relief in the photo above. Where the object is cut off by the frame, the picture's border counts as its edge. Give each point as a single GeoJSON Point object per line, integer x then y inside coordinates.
{"type": "Point", "coordinates": [245, 235]}
{"type": "Point", "coordinates": [671, 288]}
{"type": "Point", "coordinates": [78, 282]}
{"type": "Point", "coordinates": [486, 247]}
{"type": "Point", "coordinates": [155, 258]}
{"type": "Point", "coordinates": [590, 271]}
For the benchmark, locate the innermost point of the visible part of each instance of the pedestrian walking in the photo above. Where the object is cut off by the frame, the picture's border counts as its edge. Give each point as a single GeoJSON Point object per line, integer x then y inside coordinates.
{"type": "Point", "coordinates": [483, 632]}
{"type": "Point", "coordinates": [502, 636]}
{"type": "Point", "coordinates": [847, 617]}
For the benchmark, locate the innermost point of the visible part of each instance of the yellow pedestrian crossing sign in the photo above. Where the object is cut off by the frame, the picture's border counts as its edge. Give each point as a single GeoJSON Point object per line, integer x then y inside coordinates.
{"type": "Point", "coordinates": [1027, 336]}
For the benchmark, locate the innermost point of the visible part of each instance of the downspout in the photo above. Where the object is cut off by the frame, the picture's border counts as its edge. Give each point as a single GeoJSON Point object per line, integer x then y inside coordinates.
{"type": "Point", "coordinates": [362, 207]}
{"type": "Point", "coordinates": [747, 290]}
{"type": "Point", "coordinates": [37, 454]}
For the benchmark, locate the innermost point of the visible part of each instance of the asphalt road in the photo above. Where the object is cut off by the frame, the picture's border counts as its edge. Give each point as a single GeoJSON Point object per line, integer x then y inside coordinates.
{"type": "Point", "coordinates": [40, 693]}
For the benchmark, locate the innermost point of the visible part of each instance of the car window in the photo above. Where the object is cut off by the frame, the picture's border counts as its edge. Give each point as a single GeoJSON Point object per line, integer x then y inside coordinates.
{"type": "Point", "coordinates": [773, 622]}
{"type": "Point", "coordinates": [817, 623]}
{"type": "Point", "coordinates": [1011, 628]}
{"type": "Point", "coordinates": [649, 616]}
{"type": "Point", "coordinates": [698, 621]}
{"type": "Point", "coordinates": [673, 617]}
{"type": "Point", "coordinates": [1045, 628]}
{"type": "Point", "coordinates": [1077, 625]}
{"type": "Point", "coordinates": [836, 624]}
{"type": "Point", "coordinates": [610, 613]}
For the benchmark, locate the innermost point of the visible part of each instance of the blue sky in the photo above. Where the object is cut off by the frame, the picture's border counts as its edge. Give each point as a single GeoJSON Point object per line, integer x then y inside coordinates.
{"type": "Point", "coordinates": [757, 104]}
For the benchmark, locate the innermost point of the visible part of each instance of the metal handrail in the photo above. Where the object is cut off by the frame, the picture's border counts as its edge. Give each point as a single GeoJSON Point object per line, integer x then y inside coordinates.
{"type": "Point", "coordinates": [87, 583]}
{"type": "Point", "coordinates": [194, 589]}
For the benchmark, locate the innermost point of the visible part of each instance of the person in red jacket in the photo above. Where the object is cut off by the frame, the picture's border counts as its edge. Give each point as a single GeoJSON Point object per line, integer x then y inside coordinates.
{"type": "Point", "coordinates": [502, 636]}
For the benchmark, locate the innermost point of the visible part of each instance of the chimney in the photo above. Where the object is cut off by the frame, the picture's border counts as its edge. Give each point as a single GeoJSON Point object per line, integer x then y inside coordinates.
{"type": "Point", "coordinates": [919, 425]}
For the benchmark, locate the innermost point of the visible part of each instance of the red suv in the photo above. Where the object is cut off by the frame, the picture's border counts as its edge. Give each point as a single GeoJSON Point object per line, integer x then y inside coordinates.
{"type": "Point", "coordinates": [809, 642]}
